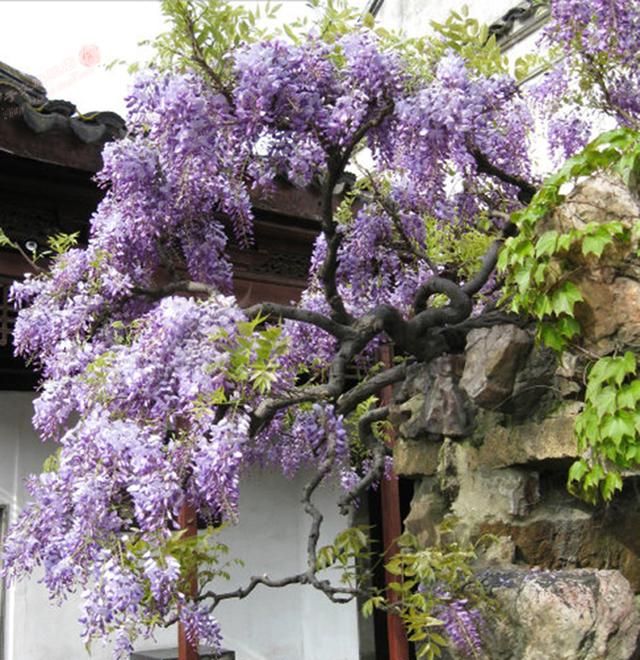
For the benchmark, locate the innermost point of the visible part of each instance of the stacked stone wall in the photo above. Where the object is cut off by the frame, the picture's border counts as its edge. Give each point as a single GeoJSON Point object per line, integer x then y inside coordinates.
{"type": "Point", "coordinates": [488, 436]}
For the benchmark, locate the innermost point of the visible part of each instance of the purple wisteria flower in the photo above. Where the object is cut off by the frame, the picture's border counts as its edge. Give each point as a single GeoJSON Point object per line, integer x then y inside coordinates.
{"type": "Point", "coordinates": [462, 625]}
{"type": "Point", "coordinates": [151, 369]}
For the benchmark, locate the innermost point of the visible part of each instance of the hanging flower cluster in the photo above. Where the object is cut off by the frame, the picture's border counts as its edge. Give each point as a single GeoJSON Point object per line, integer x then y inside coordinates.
{"type": "Point", "coordinates": [158, 388]}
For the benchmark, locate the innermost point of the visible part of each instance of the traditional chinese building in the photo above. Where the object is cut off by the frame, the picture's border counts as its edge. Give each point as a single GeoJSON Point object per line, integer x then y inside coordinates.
{"type": "Point", "coordinates": [49, 153]}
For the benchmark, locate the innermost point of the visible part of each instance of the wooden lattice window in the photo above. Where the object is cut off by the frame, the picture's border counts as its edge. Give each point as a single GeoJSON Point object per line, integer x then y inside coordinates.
{"type": "Point", "coordinates": [7, 312]}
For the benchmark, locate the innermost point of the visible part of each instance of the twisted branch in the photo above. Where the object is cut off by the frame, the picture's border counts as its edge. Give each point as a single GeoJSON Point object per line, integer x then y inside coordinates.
{"type": "Point", "coordinates": [336, 594]}
{"type": "Point", "coordinates": [336, 164]}
{"type": "Point", "coordinates": [280, 311]}
{"type": "Point", "coordinates": [485, 166]}
{"type": "Point", "coordinates": [368, 438]}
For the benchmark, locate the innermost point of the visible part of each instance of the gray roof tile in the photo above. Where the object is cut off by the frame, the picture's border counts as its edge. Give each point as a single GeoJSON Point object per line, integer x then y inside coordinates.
{"type": "Point", "coordinates": [27, 96]}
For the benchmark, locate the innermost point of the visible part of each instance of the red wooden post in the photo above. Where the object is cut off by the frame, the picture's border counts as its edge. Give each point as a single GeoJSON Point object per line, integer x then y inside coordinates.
{"type": "Point", "coordinates": [391, 530]}
{"type": "Point", "coordinates": [188, 521]}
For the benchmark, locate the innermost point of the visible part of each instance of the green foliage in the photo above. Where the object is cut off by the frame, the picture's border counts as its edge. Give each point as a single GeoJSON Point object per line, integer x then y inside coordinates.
{"type": "Point", "coordinates": [52, 462]}
{"type": "Point", "coordinates": [527, 65]}
{"type": "Point", "coordinates": [426, 579]}
{"type": "Point", "coordinates": [253, 358]}
{"type": "Point", "coordinates": [203, 32]}
{"type": "Point", "coordinates": [471, 40]}
{"type": "Point", "coordinates": [338, 17]}
{"type": "Point", "coordinates": [97, 373]}
{"type": "Point", "coordinates": [608, 428]}
{"type": "Point", "coordinates": [348, 553]}
{"type": "Point", "coordinates": [458, 247]}
{"type": "Point", "coordinates": [538, 266]}
{"type": "Point", "coordinates": [61, 243]}
{"type": "Point", "coordinates": [5, 241]}
{"type": "Point", "coordinates": [359, 451]}
{"type": "Point", "coordinates": [200, 553]}
{"type": "Point", "coordinates": [58, 245]}
{"type": "Point", "coordinates": [459, 33]}
{"type": "Point", "coordinates": [345, 212]}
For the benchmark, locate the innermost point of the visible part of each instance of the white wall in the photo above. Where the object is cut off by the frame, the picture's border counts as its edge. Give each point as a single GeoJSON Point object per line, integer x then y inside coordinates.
{"type": "Point", "coordinates": [413, 16]}
{"type": "Point", "coordinates": [295, 623]}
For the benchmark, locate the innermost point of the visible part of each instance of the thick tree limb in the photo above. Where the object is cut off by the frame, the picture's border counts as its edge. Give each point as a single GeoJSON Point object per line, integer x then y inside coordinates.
{"type": "Point", "coordinates": [174, 288]}
{"type": "Point", "coordinates": [489, 319]}
{"type": "Point", "coordinates": [485, 166]}
{"type": "Point", "coordinates": [310, 575]}
{"type": "Point", "coordinates": [329, 268]}
{"type": "Point", "coordinates": [321, 321]}
{"type": "Point", "coordinates": [367, 436]}
{"type": "Point", "coordinates": [311, 509]}
{"type": "Point", "coordinates": [349, 400]}
{"type": "Point", "coordinates": [458, 297]}
{"type": "Point", "coordinates": [336, 164]}
{"type": "Point", "coordinates": [267, 408]}
{"type": "Point", "coordinates": [243, 592]}
{"type": "Point", "coordinates": [488, 265]}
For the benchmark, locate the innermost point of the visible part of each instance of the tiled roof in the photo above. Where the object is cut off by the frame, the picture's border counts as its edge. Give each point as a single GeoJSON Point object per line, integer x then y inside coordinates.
{"type": "Point", "coordinates": [25, 96]}
{"type": "Point", "coordinates": [520, 21]}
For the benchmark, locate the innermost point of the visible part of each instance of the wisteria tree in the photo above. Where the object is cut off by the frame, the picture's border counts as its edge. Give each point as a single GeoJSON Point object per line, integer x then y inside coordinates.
{"type": "Point", "coordinates": [159, 390]}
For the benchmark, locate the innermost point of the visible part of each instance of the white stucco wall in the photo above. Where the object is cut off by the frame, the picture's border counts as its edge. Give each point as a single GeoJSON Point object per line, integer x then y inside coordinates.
{"type": "Point", "coordinates": [413, 16]}
{"type": "Point", "coordinates": [295, 623]}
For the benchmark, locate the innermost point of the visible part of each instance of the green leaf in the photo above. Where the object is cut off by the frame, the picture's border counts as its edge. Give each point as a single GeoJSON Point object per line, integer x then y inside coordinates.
{"type": "Point", "coordinates": [612, 482]}
{"type": "Point", "coordinates": [594, 476]}
{"type": "Point", "coordinates": [629, 362]}
{"type": "Point", "coordinates": [368, 20]}
{"type": "Point", "coordinates": [595, 244]}
{"type": "Point", "coordinates": [542, 306]}
{"type": "Point", "coordinates": [577, 471]}
{"type": "Point", "coordinates": [546, 244]}
{"type": "Point", "coordinates": [629, 395]}
{"type": "Point", "coordinates": [522, 278]}
{"type": "Point", "coordinates": [568, 327]}
{"type": "Point", "coordinates": [438, 639]}
{"type": "Point", "coordinates": [397, 587]}
{"type": "Point", "coordinates": [564, 242]}
{"type": "Point", "coordinates": [564, 299]}
{"type": "Point", "coordinates": [618, 426]}
{"type": "Point", "coordinates": [52, 462]}
{"type": "Point", "coordinates": [605, 401]}
{"type": "Point", "coordinates": [551, 337]}
{"type": "Point", "coordinates": [368, 606]}
{"type": "Point", "coordinates": [587, 427]}
{"type": "Point", "coordinates": [5, 241]}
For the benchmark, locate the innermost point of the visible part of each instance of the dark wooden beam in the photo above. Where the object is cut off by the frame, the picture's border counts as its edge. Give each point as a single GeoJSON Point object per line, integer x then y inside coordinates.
{"type": "Point", "coordinates": [18, 139]}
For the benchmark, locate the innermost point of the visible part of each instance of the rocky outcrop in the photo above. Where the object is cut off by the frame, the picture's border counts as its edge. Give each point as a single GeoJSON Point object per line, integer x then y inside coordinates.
{"type": "Point", "coordinates": [610, 312]}
{"type": "Point", "coordinates": [415, 458]}
{"type": "Point", "coordinates": [506, 444]}
{"type": "Point", "coordinates": [488, 436]}
{"type": "Point", "coordinates": [433, 403]}
{"type": "Point", "coordinates": [493, 357]}
{"type": "Point", "coordinates": [564, 615]}
{"type": "Point", "coordinates": [562, 532]}
{"type": "Point", "coordinates": [428, 509]}
{"type": "Point", "coordinates": [609, 283]}
{"type": "Point", "coordinates": [507, 477]}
